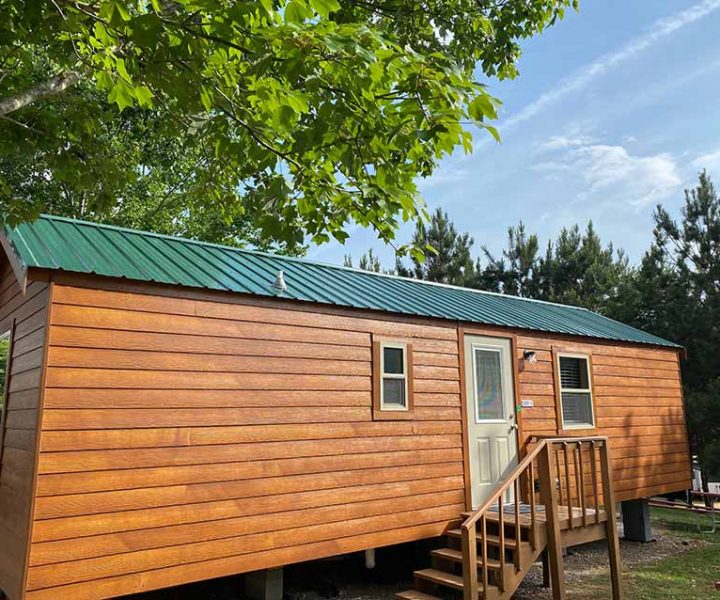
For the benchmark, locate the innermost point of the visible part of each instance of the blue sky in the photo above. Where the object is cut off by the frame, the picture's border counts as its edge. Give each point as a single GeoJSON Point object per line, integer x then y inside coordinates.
{"type": "Point", "coordinates": [615, 110]}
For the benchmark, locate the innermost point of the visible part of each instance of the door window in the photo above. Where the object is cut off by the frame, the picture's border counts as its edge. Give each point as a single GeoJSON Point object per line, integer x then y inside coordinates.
{"type": "Point", "coordinates": [489, 400]}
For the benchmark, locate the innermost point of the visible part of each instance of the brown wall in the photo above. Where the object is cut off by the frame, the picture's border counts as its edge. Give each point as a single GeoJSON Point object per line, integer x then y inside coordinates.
{"type": "Point", "coordinates": [185, 440]}
{"type": "Point", "coordinates": [19, 444]}
{"type": "Point", "coordinates": [638, 404]}
{"type": "Point", "coordinates": [189, 438]}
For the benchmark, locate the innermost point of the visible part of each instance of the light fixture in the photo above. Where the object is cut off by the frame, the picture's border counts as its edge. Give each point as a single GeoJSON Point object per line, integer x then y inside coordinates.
{"type": "Point", "coordinates": [279, 283]}
{"type": "Point", "coordinates": [530, 356]}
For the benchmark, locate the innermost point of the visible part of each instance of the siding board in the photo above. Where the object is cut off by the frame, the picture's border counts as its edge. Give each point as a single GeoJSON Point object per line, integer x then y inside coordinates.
{"type": "Point", "coordinates": [638, 404]}
{"type": "Point", "coordinates": [203, 438]}
{"type": "Point", "coordinates": [124, 521]}
{"type": "Point", "coordinates": [20, 439]}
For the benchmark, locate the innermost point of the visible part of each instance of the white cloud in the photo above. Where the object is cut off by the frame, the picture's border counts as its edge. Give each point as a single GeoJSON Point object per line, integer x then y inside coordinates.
{"type": "Point", "coordinates": [660, 29]}
{"type": "Point", "coordinates": [443, 176]}
{"type": "Point", "coordinates": [709, 161]}
{"type": "Point", "coordinates": [612, 175]}
{"type": "Point", "coordinates": [561, 142]}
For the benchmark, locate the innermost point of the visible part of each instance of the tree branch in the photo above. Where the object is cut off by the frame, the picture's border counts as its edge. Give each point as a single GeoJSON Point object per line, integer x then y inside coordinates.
{"type": "Point", "coordinates": [22, 125]}
{"type": "Point", "coordinates": [57, 84]}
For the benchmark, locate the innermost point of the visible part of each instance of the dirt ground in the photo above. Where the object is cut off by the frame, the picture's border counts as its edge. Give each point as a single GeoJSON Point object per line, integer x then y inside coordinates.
{"type": "Point", "coordinates": [346, 578]}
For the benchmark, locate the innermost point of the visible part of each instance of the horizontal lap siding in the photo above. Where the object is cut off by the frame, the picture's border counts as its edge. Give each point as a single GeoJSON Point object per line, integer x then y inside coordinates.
{"type": "Point", "coordinates": [185, 439]}
{"type": "Point", "coordinates": [29, 311]}
{"type": "Point", "coordinates": [638, 405]}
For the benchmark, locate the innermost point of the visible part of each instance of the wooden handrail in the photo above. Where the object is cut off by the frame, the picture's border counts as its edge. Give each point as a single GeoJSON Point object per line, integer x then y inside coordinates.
{"type": "Point", "coordinates": [502, 488]}
{"type": "Point", "coordinates": [520, 469]}
{"type": "Point", "coordinates": [550, 490]}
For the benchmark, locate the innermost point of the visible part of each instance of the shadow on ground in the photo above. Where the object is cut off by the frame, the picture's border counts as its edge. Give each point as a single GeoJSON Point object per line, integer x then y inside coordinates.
{"type": "Point", "coordinates": [344, 577]}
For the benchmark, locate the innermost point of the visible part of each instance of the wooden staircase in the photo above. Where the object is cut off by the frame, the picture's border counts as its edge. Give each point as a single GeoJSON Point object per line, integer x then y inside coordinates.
{"type": "Point", "coordinates": [490, 554]}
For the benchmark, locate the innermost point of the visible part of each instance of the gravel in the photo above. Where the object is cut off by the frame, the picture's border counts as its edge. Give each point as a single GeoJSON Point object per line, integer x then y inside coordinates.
{"type": "Point", "coordinates": [591, 560]}
{"type": "Point", "coordinates": [345, 578]}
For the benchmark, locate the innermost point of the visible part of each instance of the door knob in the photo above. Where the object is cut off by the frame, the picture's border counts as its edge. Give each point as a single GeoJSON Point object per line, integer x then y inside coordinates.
{"type": "Point", "coordinates": [514, 426]}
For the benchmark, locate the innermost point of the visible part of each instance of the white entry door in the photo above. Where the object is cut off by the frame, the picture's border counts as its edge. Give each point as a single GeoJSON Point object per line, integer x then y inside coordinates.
{"type": "Point", "coordinates": [492, 428]}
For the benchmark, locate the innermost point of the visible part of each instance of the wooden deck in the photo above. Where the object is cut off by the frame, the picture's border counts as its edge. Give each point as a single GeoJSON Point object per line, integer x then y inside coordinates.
{"type": "Point", "coordinates": [591, 516]}
{"type": "Point", "coordinates": [491, 552]}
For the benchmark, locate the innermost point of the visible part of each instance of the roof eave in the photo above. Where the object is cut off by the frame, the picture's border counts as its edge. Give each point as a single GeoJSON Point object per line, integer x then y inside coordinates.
{"type": "Point", "coordinates": [19, 268]}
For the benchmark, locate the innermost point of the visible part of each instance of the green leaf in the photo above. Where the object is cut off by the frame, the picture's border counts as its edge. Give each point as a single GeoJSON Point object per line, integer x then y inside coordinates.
{"type": "Point", "coordinates": [122, 70]}
{"type": "Point", "coordinates": [492, 131]}
{"type": "Point", "coordinates": [248, 106]}
{"type": "Point", "coordinates": [144, 95]}
{"type": "Point", "coordinates": [122, 95]}
{"type": "Point", "coordinates": [324, 7]}
{"type": "Point", "coordinates": [121, 9]}
{"type": "Point", "coordinates": [296, 11]}
{"type": "Point", "coordinates": [482, 107]}
{"type": "Point", "coordinates": [206, 97]}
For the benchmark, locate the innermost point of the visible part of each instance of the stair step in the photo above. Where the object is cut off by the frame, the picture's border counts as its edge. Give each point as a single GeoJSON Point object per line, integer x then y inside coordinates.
{"type": "Point", "coordinates": [415, 595]}
{"type": "Point", "coordinates": [441, 577]}
{"type": "Point", "coordinates": [492, 540]}
{"type": "Point", "coordinates": [456, 556]}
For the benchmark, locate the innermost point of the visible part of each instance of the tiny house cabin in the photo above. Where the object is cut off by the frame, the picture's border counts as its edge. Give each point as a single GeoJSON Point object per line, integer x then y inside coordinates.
{"type": "Point", "coordinates": [177, 411]}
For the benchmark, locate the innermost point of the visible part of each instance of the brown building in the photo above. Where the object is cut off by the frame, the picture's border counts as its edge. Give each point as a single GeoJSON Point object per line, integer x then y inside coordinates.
{"type": "Point", "coordinates": [177, 411]}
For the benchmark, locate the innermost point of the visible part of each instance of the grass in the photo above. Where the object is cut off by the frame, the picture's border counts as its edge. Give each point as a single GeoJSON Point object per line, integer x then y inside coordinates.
{"type": "Point", "coordinates": [684, 523]}
{"type": "Point", "coordinates": [686, 575]}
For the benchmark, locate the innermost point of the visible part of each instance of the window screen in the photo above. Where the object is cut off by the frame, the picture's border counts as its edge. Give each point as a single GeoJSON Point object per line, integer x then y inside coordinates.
{"type": "Point", "coordinates": [575, 392]}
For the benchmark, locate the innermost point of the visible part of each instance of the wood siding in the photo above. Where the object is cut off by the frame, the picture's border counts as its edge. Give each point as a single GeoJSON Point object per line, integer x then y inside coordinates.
{"type": "Point", "coordinates": [28, 314]}
{"type": "Point", "coordinates": [638, 403]}
{"type": "Point", "coordinates": [188, 435]}
{"type": "Point", "coordinates": [187, 439]}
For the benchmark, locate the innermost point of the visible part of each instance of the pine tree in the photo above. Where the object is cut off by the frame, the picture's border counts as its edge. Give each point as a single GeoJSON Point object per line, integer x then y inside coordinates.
{"type": "Point", "coordinates": [675, 293]}
{"type": "Point", "coordinates": [369, 261]}
{"type": "Point", "coordinates": [578, 270]}
{"type": "Point", "coordinates": [446, 253]}
{"type": "Point", "coordinates": [689, 304]}
{"type": "Point", "coordinates": [679, 298]}
{"type": "Point", "coordinates": [514, 271]}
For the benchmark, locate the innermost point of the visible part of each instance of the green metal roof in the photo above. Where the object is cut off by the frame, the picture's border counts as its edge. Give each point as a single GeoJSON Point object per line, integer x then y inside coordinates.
{"type": "Point", "coordinates": [81, 247]}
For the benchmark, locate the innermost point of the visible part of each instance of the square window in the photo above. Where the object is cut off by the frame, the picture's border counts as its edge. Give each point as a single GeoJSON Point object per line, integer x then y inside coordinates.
{"type": "Point", "coordinates": [393, 359]}
{"type": "Point", "coordinates": [573, 373]}
{"type": "Point", "coordinates": [394, 393]}
{"type": "Point", "coordinates": [577, 409]}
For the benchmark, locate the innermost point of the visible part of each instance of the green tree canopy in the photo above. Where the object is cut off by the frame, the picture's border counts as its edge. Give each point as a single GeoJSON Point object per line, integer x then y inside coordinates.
{"type": "Point", "coordinates": [368, 262]}
{"type": "Point", "coordinates": [446, 256]}
{"type": "Point", "coordinates": [295, 116]}
{"type": "Point", "coordinates": [577, 269]}
{"type": "Point", "coordinates": [675, 293]}
{"type": "Point", "coordinates": [514, 271]}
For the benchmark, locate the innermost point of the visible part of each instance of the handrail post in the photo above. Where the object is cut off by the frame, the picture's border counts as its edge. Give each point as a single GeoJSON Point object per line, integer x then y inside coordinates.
{"type": "Point", "coordinates": [548, 495]}
{"type": "Point", "coordinates": [611, 521]}
{"type": "Point", "coordinates": [469, 564]}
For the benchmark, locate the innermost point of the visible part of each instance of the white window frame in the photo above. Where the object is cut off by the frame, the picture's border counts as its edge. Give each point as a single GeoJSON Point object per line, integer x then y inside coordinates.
{"type": "Point", "coordinates": [392, 407]}
{"type": "Point", "coordinates": [588, 390]}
